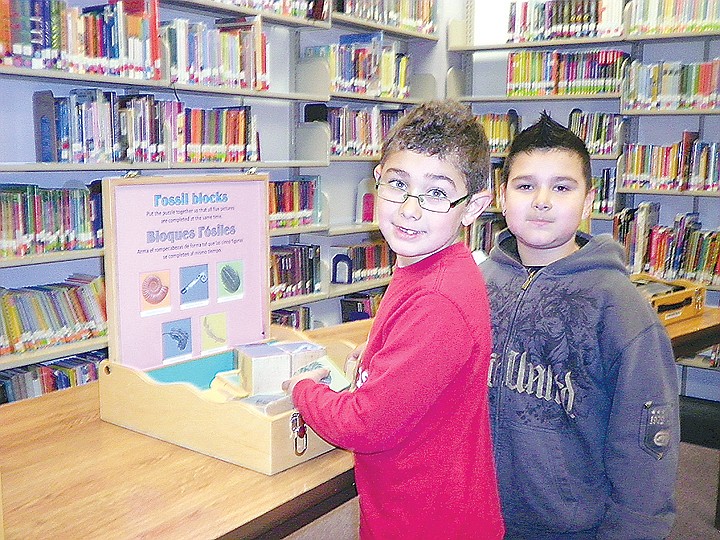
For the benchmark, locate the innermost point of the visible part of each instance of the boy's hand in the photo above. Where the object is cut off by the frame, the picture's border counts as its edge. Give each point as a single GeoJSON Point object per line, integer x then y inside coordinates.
{"type": "Point", "coordinates": [352, 361]}
{"type": "Point", "coordinates": [316, 375]}
{"type": "Point", "coordinates": [355, 355]}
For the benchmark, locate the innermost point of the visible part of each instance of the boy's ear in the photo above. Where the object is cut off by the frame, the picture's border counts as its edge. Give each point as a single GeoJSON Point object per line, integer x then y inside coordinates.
{"type": "Point", "coordinates": [477, 205]}
{"type": "Point", "coordinates": [588, 204]}
{"type": "Point", "coordinates": [377, 172]}
{"type": "Point", "coordinates": [501, 198]}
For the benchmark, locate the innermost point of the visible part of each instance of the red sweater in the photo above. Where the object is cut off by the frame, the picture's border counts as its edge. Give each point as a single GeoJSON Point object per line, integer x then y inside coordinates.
{"type": "Point", "coordinates": [418, 423]}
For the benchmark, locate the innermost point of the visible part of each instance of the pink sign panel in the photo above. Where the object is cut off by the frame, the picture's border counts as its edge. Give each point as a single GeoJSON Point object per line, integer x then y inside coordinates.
{"type": "Point", "coordinates": [187, 266]}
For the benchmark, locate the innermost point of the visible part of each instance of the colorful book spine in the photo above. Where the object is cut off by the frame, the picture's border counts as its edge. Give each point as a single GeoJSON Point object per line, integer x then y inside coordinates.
{"type": "Point", "coordinates": [294, 270]}
{"type": "Point", "coordinates": [542, 73]}
{"type": "Point", "coordinates": [415, 15]}
{"type": "Point", "coordinates": [294, 203]}
{"type": "Point", "coordinates": [500, 129]}
{"type": "Point", "coordinates": [359, 131]}
{"type": "Point", "coordinates": [688, 165]}
{"type": "Point", "coordinates": [37, 220]}
{"type": "Point", "coordinates": [533, 20]}
{"type": "Point", "coordinates": [361, 262]}
{"type": "Point", "coordinates": [38, 379]}
{"type": "Point", "coordinates": [42, 316]}
{"type": "Point", "coordinates": [673, 16]}
{"type": "Point", "coordinates": [672, 85]}
{"type": "Point", "coordinates": [601, 132]}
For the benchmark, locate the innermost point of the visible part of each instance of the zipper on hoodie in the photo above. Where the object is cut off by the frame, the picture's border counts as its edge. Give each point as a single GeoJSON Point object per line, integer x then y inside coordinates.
{"type": "Point", "coordinates": [531, 276]}
{"type": "Point", "coordinates": [523, 288]}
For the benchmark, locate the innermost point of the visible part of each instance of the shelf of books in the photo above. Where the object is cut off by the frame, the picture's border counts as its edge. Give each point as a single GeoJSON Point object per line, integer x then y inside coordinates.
{"type": "Point", "coordinates": [353, 228]}
{"type": "Point", "coordinates": [406, 19]}
{"type": "Point", "coordinates": [49, 354]}
{"type": "Point", "coordinates": [51, 336]}
{"type": "Point", "coordinates": [334, 291]}
{"type": "Point", "coordinates": [355, 158]}
{"type": "Point", "coordinates": [344, 289]}
{"type": "Point", "coordinates": [312, 14]}
{"type": "Point", "coordinates": [300, 229]}
{"type": "Point", "coordinates": [123, 87]}
{"type": "Point", "coordinates": [156, 166]}
{"type": "Point", "coordinates": [546, 97]}
{"type": "Point", "coordinates": [570, 71]}
{"type": "Point", "coordinates": [160, 85]}
{"type": "Point", "coordinates": [341, 19]}
{"type": "Point", "coordinates": [461, 46]}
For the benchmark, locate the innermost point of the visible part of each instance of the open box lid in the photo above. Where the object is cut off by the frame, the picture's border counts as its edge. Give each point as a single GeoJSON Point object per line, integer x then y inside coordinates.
{"type": "Point", "coordinates": [186, 265]}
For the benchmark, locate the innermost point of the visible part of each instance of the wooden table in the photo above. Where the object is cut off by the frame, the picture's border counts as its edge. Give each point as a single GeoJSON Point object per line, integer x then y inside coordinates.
{"type": "Point", "coordinates": [690, 336]}
{"type": "Point", "coordinates": [696, 333]}
{"type": "Point", "coordinates": [67, 474]}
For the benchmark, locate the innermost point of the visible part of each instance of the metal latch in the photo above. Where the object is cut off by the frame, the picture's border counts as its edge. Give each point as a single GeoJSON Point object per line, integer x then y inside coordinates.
{"type": "Point", "coordinates": [299, 431]}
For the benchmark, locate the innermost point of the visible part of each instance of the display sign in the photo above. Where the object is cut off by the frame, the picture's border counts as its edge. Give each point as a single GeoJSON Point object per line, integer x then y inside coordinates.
{"type": "Point", "coordinates": [186, 266]}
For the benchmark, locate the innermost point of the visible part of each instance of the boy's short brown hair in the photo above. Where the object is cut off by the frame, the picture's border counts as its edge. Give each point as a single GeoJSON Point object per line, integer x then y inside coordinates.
{"type": "Point", "coordinates": [449, 130]}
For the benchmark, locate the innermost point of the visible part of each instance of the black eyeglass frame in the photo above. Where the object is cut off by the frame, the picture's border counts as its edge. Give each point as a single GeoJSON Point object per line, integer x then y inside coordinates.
{"type": "Point", "coordinates": [420, 198]}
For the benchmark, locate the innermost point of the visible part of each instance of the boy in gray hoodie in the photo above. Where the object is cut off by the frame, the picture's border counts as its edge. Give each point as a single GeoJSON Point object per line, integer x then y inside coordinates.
{"type": "Point", "coordinates": [583, 385]}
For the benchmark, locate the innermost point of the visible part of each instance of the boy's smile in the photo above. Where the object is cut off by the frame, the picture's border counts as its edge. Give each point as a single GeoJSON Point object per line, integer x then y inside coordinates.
{"type": "Point", "coordinates": [544, 201]}
{"type": "Point", "coordinates": [413, 232]}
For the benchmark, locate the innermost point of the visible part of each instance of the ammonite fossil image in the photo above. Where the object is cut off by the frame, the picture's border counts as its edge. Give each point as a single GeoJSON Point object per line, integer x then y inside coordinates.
{"type": "Point", "coordinates": [230, 278]}
{"type": "Point", "coordinates": [153, 290]}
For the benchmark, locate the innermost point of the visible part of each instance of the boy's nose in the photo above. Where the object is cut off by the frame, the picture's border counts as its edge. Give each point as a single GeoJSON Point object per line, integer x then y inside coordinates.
{"type": "Point", "coordinates": [542, 200]}
{"type": "Point", "coordinates": [411, 208]}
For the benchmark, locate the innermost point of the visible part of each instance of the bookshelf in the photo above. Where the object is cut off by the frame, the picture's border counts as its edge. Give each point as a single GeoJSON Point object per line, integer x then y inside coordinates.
{"type": "Point", "coordinates": [484, 70]}
{"type": "Point", "coordinates": [351, 163]}
{"type": "Point", "coordinates": [481, 47]}
{"type": "Point", "coordinates": [479, 50]}
{"type": "Point", "coordinates": [289, 146]}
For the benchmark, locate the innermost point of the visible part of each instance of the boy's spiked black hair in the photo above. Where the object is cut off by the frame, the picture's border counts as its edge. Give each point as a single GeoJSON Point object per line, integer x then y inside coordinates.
{"type": "Point", "coordinates": [449, 130]}
{"type": "Point", "coordinates": [547, 134]}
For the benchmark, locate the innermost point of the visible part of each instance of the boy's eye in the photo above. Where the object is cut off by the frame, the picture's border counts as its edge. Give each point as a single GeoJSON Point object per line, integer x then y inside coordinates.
{"type": "Point", "coordinates": [523, 187]}
{"type": "Point", "coordinates": [436, 193]}
{"type": "Point", "coordinates": [397, 184]}
{"type": "Point", "coordinates": [562, 188]}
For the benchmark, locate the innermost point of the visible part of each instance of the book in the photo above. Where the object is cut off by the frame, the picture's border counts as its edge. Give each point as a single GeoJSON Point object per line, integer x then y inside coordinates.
{"type": "Point", "coordinates": [361, 62]}
{"type": "Point", "coordinates": [365, 201]}
{"type": "Point", "coordinates": [297, 317]}
{"type": "Point", "coordinates": [45, 125]}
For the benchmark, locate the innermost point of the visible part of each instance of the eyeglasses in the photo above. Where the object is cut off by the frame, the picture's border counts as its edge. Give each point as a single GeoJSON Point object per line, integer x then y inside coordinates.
{"type": "Point", "coordinates": [391, 193]}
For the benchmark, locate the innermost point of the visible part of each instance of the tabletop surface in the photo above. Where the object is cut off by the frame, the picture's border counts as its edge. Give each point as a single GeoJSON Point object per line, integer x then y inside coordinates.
{"type": "Point", "coordinates": [66, 473]}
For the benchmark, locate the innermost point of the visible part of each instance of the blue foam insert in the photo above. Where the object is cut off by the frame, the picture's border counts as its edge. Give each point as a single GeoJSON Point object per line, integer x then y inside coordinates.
{"type": "Point", "coordinates": [199, 372]}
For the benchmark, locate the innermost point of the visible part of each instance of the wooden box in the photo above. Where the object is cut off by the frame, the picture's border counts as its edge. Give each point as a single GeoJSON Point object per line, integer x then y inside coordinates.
{"type": "Point", "coordinates": [186, 262]}
{"type": "Point", "coordinates": [672, 300]}
{"type": "Point", "coordinates": [185, 413]}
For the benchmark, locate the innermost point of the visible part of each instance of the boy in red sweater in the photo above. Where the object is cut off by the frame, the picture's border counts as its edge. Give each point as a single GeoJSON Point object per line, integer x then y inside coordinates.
{"type": "Point", "coordinates": [418, 421]}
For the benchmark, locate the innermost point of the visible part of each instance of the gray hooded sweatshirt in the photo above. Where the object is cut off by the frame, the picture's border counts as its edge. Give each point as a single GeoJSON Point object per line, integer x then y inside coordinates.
{"type": "Point", "coordinates": [583, 397]}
